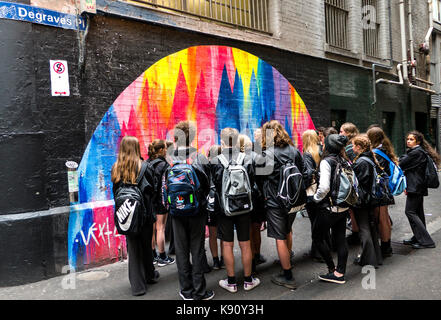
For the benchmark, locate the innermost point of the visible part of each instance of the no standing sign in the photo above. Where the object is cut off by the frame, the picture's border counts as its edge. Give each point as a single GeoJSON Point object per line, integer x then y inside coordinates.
{"type": "Point", "coordinates": [59, 78]}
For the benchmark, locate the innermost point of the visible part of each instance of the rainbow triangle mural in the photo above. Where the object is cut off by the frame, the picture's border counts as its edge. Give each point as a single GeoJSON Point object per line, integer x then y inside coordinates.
{"type": "Point", "coordinates": [215, 86]}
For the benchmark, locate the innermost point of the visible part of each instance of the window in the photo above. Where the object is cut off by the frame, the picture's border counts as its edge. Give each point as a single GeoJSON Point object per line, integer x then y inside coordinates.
{"type": "Point", "coordinates": [336, 19]}
{"type": "Point", "coordinates": [371, 28]}
{"type": "Point", "coordinates": [438, 16]}
{"type": "Point", "coordinates": [252, 14]}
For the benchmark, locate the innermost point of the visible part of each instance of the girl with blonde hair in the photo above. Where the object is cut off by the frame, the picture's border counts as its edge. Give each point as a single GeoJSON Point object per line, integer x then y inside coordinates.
{"type": "Point", "coordinates": [311, 158]}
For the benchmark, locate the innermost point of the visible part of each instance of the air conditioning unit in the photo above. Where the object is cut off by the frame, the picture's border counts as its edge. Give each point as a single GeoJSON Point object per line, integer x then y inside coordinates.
{"type": "Point", "coordinates": [436, 100]}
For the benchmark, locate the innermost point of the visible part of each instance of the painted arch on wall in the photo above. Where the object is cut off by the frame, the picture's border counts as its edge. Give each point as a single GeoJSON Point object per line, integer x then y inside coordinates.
{"type": "Point", "coordinates": [215, 86]}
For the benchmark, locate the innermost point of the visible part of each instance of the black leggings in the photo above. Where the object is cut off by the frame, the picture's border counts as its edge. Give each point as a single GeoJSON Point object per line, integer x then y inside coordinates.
{"type": "Point", "coordinates": [324, 221]}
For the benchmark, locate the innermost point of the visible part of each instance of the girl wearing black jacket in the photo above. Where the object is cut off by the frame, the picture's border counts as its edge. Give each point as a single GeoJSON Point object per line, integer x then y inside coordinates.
{"type": "Point", "coordinates": [413, 163]}
{"type": "Point", "coordinates": [277, 148]}
{"type": "Point", "coordinates": [125, 171]}
{"type": "Point", "coordinates": [157, 153]}
{"type": "Point", "coordinates": [380, 141]}
{"type": "Point", "coordinates": [364, 165]}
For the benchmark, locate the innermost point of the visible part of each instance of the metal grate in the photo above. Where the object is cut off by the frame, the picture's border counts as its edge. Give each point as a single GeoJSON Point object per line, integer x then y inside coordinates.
{"type": "Point", "coordinates": [336, 17]}
{"type": "Point", "coordinates": [252, 14]}
{"type": "Point", "coordinates": [371, 28]}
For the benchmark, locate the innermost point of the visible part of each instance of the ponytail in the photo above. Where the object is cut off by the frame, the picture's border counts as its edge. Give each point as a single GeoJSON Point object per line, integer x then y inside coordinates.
{"type": "Point", "coordinates": [155, 147]}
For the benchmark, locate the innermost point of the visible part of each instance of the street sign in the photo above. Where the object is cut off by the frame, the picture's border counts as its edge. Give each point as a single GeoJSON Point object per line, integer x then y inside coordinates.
{"type": "Point", "coordinates": [59, 78]}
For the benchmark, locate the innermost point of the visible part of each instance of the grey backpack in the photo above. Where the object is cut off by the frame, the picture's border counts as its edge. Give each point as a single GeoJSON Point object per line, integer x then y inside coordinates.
{"type": "Point", "coordinates": [236, 196]}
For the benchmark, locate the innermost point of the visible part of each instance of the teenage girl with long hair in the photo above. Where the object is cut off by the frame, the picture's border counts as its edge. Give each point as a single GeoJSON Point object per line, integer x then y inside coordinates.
{"type": "Point", "coordinates": [364, 164]}
{"type": "Point", "coordinates": [125, 171]}
{"type": "Point", "coordinates": [157, 154]}
{"type": "Point", "coordinates": [311, 158]}
{"type": "Point", "coordinates": [277, 150]}
{"type": "Point", "coordinates": [413, 163]}
{"type": "Point", "coordinates": [380, 141]}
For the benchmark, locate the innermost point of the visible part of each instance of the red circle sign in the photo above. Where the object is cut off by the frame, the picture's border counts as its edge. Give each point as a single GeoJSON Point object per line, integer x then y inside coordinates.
{"type": "Point", "coordinates": [59, 67]}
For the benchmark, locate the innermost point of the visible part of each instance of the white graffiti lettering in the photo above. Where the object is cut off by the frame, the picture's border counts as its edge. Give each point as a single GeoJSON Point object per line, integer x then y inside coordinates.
{"type": "Point", "coordinates": [104, 234]}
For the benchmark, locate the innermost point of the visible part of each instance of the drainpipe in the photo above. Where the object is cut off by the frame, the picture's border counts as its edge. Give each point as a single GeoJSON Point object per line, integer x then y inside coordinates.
{"type": "Point", "coordinates": [400, 76]}
{"type": "Point", "coordinates": [429, 32]}
{"type": "Point", "coordinates": [403, 41]}
{"type": "Point", "coordinates": [391, 59]}
{"type": "Point", "coordinates": [412, 53]}
{"type": "Point", "coordinates": [403, 46]}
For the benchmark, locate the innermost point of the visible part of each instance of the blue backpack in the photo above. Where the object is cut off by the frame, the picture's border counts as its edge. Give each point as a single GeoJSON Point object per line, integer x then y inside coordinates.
{"type": "Point", "coordinates": [397, 179]}
{"type": "Point", "coordinates": [180, 190]}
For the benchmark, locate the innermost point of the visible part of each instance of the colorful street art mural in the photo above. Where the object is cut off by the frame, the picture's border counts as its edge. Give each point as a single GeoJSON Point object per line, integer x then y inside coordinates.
{"type": "Point", "coordinates": [215, 86]}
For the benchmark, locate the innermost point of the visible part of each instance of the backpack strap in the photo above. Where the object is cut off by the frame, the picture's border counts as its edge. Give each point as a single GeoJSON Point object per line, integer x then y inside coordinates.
{"type": "Point", "coordinates": [223, 160]}
{"type": "Point", "coordinates": [369, 160]}
{"type": "Point", "coordinates": [240, 158]}
{"type": "Point", "coordinates": [155, 162]}
{"type": "Point", "coordinates": [142, 172]}
{"type": "Point", "coordinates": [381, 153]}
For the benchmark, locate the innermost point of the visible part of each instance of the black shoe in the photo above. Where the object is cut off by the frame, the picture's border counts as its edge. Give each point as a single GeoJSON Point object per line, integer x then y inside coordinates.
{"type": "Point", "coordinates": [155, 278]}
{"type": "Point", "coordinates": [421, 246]}
{"type": "Point", "coordinates": [185, 296]}
{"type": "Point", "coordinates": [207, 296]}
{"type": "Point", "coordinates": [281, 280]}
{"type": "Point", "coordinates": [357, 260]}
{"type": "Point", "coordinates": [386, 252]}
{"type": "Point", "coordinates": [216, 265]}
{"type": "Point", "coordinates": [410, 241]}
{"type": "Point", "coordinates": [318, 259]}
{"type": "Point", "coordinates": [331, 277]}
{"type": "Point", "coordinates": [259, 259]}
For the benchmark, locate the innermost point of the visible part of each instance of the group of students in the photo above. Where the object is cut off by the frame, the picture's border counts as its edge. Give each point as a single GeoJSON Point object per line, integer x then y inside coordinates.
{"type": "Point", "coordinates": [236, 188]}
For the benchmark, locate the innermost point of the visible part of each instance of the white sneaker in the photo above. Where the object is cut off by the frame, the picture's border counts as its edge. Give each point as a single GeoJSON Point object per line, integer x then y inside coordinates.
{"type": "Point", "coordinates": [229, 287]}
{"type": "Point", "coordinates": [247, 286]}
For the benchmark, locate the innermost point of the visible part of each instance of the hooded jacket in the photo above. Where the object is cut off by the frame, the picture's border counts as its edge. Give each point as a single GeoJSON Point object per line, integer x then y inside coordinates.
{"type": "Point", "coordinates": [413, 163]}
{"type": "Point", "coordinates": [268, 173]}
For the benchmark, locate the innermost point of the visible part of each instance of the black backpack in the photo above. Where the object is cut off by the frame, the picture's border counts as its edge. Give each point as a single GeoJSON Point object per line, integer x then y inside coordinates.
{"type": "Point", "coordinates": [131, 209]}
{"type": "Point", "coordinates": [344, 191]}
{"type": "Point", "coordinates": [380, 192]}
{"type": "Point", "coordinates": [291, 192]}
{"type": "Point", "coordinates": [431, 178]}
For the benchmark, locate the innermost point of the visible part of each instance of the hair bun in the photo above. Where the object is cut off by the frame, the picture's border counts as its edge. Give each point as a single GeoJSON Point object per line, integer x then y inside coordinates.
{"type": "Point", "coordinates": [343, 140]}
